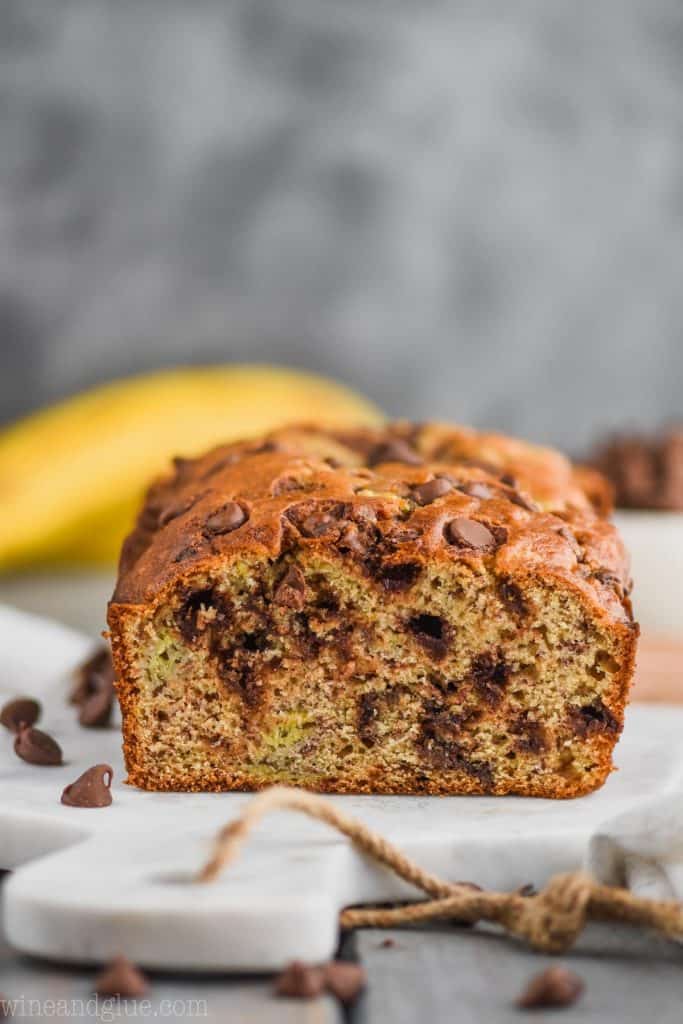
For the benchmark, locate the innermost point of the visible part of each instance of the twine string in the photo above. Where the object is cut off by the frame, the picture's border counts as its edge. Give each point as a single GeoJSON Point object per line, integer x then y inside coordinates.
{"type": "Point", "coordinates": [549, 921]}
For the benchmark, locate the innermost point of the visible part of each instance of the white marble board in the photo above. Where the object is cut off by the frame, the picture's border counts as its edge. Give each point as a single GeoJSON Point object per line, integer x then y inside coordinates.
{"type": "Point", "coordinates": [92, 882]}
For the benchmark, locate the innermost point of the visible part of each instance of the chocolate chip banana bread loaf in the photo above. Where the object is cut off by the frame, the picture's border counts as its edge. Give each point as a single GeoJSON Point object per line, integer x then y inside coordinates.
{"type": "Point", "coordinates": [405, 610]}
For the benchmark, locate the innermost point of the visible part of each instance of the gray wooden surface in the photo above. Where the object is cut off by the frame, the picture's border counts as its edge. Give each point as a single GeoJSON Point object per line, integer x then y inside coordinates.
{"type": "Point", "coordinates": [435, 974]}
{"type": "Point", "coordinates": [473, 976]}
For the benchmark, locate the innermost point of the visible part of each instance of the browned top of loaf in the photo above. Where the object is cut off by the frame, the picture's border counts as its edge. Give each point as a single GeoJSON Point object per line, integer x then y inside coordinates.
{"type": "Point", "coordinates": [391, 499]}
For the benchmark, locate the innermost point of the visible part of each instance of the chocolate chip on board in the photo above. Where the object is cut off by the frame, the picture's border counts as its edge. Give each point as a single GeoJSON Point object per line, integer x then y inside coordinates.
{"type": "Point", "coordinates": [426, 493]}
{"type": "Point", "coordinates": [468, 533]}
{"type": "Point", "coordinates": [344, 980]}
{"type": "Point", "coordinates": [121, 978]}
{"type": "Point", "coordinates": [90, 676]}
{"type": "Point", "coordinates": [395, 450]}
{"type": "Point", "coordinates": [91, 789]}
{"type": "Point", "coordinates": [556, 986]}
{"type": "Point", "coordinates": [226, 519]}
{"type": "Point", "coordinates": [95, 710]}
{"type": "Point", "coordinates": [37, 747]}
{"type": "Point", "coordinates": [300, 981]}
{"type": "Point", "coordinates": [18, 712]}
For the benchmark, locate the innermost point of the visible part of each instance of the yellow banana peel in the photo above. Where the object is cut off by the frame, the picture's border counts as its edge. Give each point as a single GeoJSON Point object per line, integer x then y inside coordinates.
{"type": "Point", "coordinates": [72, 476]}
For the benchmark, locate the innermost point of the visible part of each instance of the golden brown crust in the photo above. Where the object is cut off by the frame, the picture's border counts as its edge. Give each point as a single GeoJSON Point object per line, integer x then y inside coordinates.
{"type": "Point", "coordinates": [385, 500]}
{"type": "Point", "coordinates": [534, 498]}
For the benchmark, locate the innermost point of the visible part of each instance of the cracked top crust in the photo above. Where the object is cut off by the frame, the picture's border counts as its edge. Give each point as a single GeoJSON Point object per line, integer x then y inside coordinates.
{"type": "Point", "coordinates": [391, 499]}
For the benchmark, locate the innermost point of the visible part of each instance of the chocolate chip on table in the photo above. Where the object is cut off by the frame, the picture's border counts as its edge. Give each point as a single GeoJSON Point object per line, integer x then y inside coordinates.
{"type": "Point", "coordinates": [18, 712]}
{"type": "Point", "coordinates": [37, 747]}
{"type": "Point", "coordinates": [468, 533]}
{"type": "Point", "coordinates": [121, 978]}
{"type": "Point", "coordinates": [556, 986]}
{"type": "Point", "coordinates": [344, 980]}
{"type": "Point", "coordinates": [300, 981]}
{"type": "Point", "coordinates": [95, 673]}
{"type": "Point", "coordinates": [226, 519]}
{"type": "Point", "coordinates": [426, 493]}
{"type": "Point", "coordinates": [291, 590]}
{"type": "Point", "coordinates": [395, 450]}
{"type": "Point", "coordinates": [95, 710]}
{"type": "Point", "coordinates": [91, 789]}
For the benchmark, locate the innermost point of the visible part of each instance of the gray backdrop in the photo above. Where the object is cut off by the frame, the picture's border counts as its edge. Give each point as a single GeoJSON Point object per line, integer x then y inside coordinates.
{"type": "Point", "coordinates": [470, 210]}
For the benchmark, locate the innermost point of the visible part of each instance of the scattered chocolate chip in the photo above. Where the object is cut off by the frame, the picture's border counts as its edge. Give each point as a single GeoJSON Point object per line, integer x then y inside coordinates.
{"type": "Point", "coordinates": [37, 747]}
{"type": "Point", "coordinates": [89, 677]}
{"type": "Point", "coordinates": [468, 533]}
{"type": "Point", "coordinates": [344, 980]}
{"type": "Point", "coordinates": [291, 590]}
{"type": "Point", "coordinates": [426, 493]}
{"type": "Point", "coordinates": [387, 944]}
{"type": "Point", "coordinates": [529, 889]}
{"type": "Point", "coordinates": [431, 632]}
{"type": "Point", "coordinates": [556, 986]}
{"type": "Point", "coordinates": [226, 519]}
{"type": "Point", "coordinates": [121, 978]}
{"type": "Point", "coordinates": [91, 789]}
{"type": "Point", "coordinates": [395, 450]}
{"type": "Point", "coordinates": [18, 712]}
{"type": "Point", "coordinates": [300, 981]}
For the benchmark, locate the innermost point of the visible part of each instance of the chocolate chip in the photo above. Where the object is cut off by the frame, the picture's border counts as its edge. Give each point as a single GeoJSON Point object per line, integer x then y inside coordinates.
{"type": "Point", "coordinates": [394, 450]}
{"type": "Point", "coordinates": [18, 712]}
{"type": "Point", "coordinates": [121, 978]}
{"type": "Point", "coordinates": [595, 719]}
{"type": "Point", "coordinates": [426, 493]}
{"type": "Point", "coordinates": [95, 711]}
{"type": "Point", "coordinates": [300, 981]}
{"type": "Point", "coordinates": [319, 524]}
{"type": "Point", "coordinates": [387, 944]}
{"type": "Point", "coordinates": [477, 489]}
{"type": "Point", "coordinates": [91, 789]}
{"type": "Point", "coordinates": [512, 598]}
{"type": "Point", "coordinates": [37, 747]}
{"type": "Point", "coordinates": [489, 672]}
{"type": "Point", "coordinates": [291, 589]}
{"type": "Point", "coordinates": [89, 676]}
{"type": "Point", "coordinates": [395, 578]}
{"type": "Point", "coordinates": [344, 980]}
{"type": "Point", "coordinates": [357, 539]}
{"type": "Point", "coordinates": [556, 986]}
{"type": "Point", "coordinates": [526, 503]}
{"type": "Point", "coordinates": [431, 632]}
{"type": "Point", "coordinates": [368, 713]}
{"type": "Point", "coordinates": [176, 509]}
{"type": "Point", "coordinates": [468, 533]}
{"type": "Point", "coordinates": [226, 519]}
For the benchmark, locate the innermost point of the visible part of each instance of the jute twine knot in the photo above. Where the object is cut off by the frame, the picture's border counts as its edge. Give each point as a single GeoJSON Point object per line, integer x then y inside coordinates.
{"type": "Point", "coordinates": [549, 921]}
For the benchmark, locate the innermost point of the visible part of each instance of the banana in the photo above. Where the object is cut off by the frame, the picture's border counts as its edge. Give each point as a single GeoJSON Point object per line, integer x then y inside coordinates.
{"type": "Point", "coordinates": [72, 476]}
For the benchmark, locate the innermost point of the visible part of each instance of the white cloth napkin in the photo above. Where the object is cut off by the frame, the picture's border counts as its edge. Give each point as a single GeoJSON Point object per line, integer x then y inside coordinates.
{"type": "Point", "coordinates": [642, 849]}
